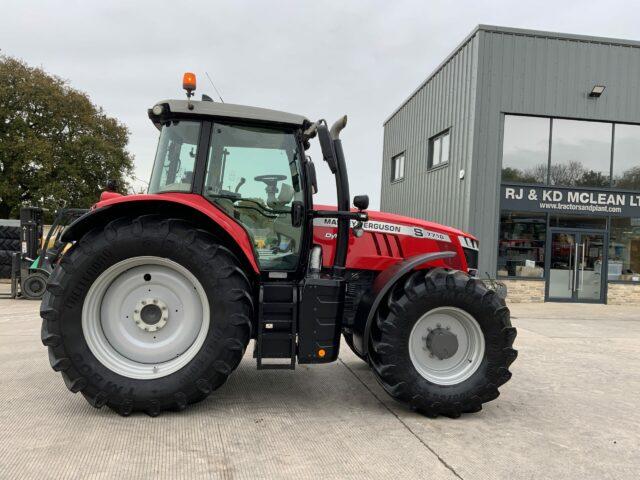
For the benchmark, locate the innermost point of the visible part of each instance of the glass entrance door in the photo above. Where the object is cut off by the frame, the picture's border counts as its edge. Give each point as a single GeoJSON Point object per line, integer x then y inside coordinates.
{"type": "Point", "coordinates": [576, 268]}
{"type": "Point", "coordinates": [590, 266]}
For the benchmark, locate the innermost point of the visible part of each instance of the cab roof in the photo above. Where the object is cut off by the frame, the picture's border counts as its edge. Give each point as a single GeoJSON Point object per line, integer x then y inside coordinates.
{"type": "Point", "coordinates": [229, 111]}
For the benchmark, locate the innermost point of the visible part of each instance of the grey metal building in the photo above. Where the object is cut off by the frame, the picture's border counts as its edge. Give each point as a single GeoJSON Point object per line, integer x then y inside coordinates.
{"type": "Point", "coordinates": [529, 140]}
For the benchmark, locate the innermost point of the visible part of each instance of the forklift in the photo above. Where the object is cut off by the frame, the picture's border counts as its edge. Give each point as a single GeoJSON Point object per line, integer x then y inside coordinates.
{"type": "Point", "coordinates": [32, 265]}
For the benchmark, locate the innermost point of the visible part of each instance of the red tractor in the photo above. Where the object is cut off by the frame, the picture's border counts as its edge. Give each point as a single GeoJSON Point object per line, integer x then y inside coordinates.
{"type": "Point", "coordinates": [155, 302]}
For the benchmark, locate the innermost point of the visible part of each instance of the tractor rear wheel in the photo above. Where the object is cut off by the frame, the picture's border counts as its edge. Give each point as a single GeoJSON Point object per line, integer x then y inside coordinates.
{"type": "Point", "coordinates": [146, 314]}
{"type": "Point", "coordinates": [442, 343]}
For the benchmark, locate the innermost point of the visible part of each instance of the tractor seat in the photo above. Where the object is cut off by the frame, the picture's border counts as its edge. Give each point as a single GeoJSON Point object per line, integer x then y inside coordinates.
{"type": "Point", "coordinates": [284, 197]}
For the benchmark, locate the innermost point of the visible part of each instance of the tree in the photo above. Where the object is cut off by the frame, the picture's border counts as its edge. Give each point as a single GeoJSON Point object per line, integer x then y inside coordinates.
{"type": "Point", "coordinates": [537, 174]}
{"type": "Point", "coordinates": [591, 178]}
{"type": "Point", "coordinates": [629, 179]}
{"type": "Point", "coordinates": [566, 174]}
{"type": "Point", "coordinates": [55, 145]}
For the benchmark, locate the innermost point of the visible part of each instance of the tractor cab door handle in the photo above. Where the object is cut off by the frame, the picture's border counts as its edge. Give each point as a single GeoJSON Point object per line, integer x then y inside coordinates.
{"type": "Point", "coordinates": [297, 213]}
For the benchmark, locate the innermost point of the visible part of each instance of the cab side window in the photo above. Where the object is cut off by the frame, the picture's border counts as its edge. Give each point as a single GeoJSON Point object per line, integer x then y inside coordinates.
{"type": "Point", "coordinates": [175, 157]}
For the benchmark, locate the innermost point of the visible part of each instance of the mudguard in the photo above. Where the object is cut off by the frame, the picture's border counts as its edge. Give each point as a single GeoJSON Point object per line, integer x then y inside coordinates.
{"type": "Point", "coordinates": [188, 204]}
{"type": "Point", "coordinates": [382, 284]}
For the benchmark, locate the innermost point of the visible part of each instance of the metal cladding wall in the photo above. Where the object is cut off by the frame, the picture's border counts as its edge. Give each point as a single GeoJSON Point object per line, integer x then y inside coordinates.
{"type": "Point", "coordinates": [445, 100]}
{"type": "Point", "coordinates": [540, 73]}
{"type": "Point", "coordinates": [498, 70]}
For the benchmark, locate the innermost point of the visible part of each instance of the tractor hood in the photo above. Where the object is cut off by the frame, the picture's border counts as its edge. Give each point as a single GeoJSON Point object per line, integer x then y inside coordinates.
{"type": "Point", "coordinates": [400, 219]}
{"type": "Point", "coordinates": [388, 238]}
{"type": "Point", "coordinates": [387, 223]}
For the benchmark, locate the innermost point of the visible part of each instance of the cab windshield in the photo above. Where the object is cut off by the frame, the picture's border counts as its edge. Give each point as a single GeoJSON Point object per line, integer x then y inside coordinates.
{"type": "Point", "coordinates": [175, 157]}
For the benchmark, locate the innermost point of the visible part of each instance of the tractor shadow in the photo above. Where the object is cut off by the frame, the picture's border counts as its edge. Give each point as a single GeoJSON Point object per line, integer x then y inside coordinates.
{"type": "Point", "coordinates": [345, 383]}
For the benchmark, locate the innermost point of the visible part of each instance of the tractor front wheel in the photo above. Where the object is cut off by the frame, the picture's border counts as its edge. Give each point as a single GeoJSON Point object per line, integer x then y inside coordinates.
{"type": "Point", "coordinates": [146, 314]}
{"type": "Point", "coordinates": [442, 343]}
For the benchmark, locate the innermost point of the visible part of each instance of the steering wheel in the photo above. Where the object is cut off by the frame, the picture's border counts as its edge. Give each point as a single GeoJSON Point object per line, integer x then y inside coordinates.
{"type": "Point", "coordinates": [271, 181]}
{"type": "Point", "coordinates": [270, 178]}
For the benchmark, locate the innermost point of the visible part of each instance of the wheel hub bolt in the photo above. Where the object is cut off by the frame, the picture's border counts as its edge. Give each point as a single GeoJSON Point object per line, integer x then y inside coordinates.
{"type": "Point", "coordinates": [441, 343]}
{"type": "Point", "coordinates": [151, 314]}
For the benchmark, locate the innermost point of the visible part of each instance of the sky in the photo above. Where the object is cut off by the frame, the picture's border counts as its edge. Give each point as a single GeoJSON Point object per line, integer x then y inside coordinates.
{"type": "Point", "coordinates": [320, 59]}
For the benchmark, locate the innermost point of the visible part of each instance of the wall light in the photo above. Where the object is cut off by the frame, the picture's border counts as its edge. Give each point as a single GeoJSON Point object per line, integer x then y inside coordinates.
{"type": "Point", "coordinates": [596, 91]}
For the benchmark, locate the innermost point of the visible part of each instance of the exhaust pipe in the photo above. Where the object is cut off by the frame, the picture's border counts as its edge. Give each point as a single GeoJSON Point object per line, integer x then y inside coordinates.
{"type": "Point", "coordinates": [337, 127]}
{"type": "Point", "coordinates": [344, 200]}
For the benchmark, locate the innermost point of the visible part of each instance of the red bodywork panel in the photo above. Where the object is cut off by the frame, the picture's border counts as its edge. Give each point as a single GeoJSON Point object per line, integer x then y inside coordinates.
{"type": "Point", "coordinates": [202, 205]}
{"type": "Point", "coordinates": [387, 238]}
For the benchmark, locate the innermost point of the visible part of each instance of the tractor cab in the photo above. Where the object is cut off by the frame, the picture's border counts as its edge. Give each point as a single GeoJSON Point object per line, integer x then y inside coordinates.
{"type": "Point", "coordinates": [251, 171]}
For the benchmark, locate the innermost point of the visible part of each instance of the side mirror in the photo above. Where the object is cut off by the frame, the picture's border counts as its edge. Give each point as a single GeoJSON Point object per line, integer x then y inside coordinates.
{"type": "Point", "coordinates": [297, 213]}
{"type": "Point", "coordinates": [361, 202]}
{"type": "Point", "coordinates": [311, 173]}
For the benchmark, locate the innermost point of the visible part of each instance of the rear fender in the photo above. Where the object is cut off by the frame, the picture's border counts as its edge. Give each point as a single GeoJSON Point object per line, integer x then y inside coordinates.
{"type": "Point", "coordinates": [383, 283]}
{"type": "Point", "coordinates": [201, 213]}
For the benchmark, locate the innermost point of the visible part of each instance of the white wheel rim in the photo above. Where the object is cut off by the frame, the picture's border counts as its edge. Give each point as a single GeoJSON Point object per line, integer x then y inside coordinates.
{"type": "Point", "coordinates": [457, 366]}
{"type": "Point", "coordinates": [115, 325]}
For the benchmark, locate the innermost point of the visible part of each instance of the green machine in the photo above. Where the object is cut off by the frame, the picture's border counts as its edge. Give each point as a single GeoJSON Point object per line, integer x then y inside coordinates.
{"type": "Point", "coordinates": [32, 265]}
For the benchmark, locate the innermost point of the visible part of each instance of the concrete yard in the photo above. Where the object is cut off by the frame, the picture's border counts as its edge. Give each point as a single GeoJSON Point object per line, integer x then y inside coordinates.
{"type": "Point", "coordinates": [572, 410]}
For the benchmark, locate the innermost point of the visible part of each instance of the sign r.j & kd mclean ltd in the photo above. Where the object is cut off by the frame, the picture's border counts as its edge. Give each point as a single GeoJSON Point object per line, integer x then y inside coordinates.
{"type": "Point", "coordinates": [570, 201]}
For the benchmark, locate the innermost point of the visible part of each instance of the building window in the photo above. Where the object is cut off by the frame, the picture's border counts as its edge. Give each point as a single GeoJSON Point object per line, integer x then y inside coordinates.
{"type": "Point", "coordinates": [626, 156]}
{"type": "Point", "coordinates": [580, 153]}
{"type": "Point", "coordinates": [624, 249]}
{"type": "Point", "coordinates": [580, 156]}
{"type": "Point", "coordinates": [525, 151]}
{"type": "Point", "coordinates": [521, 244]}
{"type": "Point", "coordinates": [397, 167]}
{"type": "Point", "coordinates": [439, 149]}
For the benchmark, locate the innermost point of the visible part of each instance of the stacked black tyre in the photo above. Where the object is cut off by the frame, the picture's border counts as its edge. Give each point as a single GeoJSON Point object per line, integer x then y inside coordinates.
{"type": "Point", "coordinates": [217, 270]}
{"type": "Point", "coordinates": [9, 244]}
{"type": "Point", "coordinates": [409, 302]}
